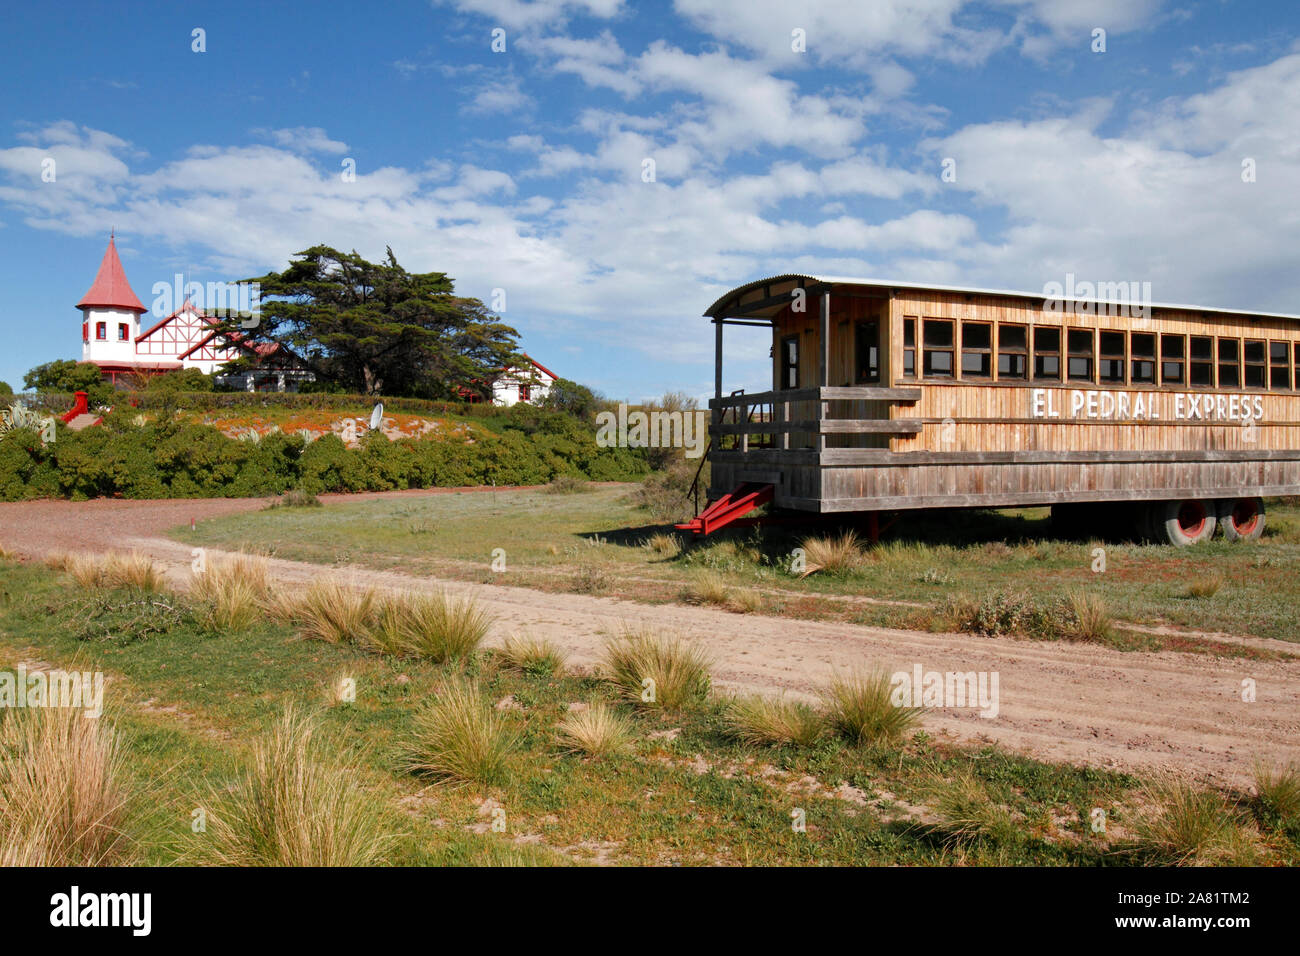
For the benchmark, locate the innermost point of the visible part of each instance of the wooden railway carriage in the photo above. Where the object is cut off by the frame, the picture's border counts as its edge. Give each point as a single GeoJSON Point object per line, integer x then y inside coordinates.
{"type": "Point", "coordinates": [889, 396]}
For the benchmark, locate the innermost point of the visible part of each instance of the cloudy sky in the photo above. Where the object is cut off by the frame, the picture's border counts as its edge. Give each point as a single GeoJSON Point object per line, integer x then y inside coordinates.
{"type": "Point", "coordinates": [525, 170]}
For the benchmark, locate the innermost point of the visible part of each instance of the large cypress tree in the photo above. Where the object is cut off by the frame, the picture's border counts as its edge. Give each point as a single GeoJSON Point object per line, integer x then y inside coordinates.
{"type": "Point", "coordinates": [377, 329]}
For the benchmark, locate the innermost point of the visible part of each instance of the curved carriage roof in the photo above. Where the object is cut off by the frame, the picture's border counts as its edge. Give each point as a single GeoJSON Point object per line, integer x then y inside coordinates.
{"type": "Point", "coordinates": [733, 299]}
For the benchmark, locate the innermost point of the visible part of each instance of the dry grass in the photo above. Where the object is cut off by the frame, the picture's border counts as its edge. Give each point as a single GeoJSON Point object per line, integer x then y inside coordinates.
{"type": "Point", "coordinates": [968, 811]}
{"type": "Point", "coordinates": [331, 612]}
{"type": "Point", "coordinates": [663, 671]}
{"type": "Point", "coordinates": [599, 731]}
{"type": "Point", "coordinates": [132, 572]}
{"type": "Point", "coordinates": [860, 707]}
{"type": "Point", "coordinates": [1277, 791]}
{"type": "Point", "coordinates": [434, 627]}
{"type": "Point", "coordinates": [458, 737]}
{"type": "Point", "coordinates": [766, 721]}
{"type": "Point", "coordinates": [1187, 825]}
{"type": "Point", "coordinates": [833, 554]}
{"type": "Point", "coordinates": [708, 587]}
{"type": "Point", "coordinates": [1205, 586]}
{"type": "Point", "coordinates": [532, 655]}
{"type": "Point", "coordinates": [235, 591]}
{"type": "Point", "coordinates": [64, 796]}
{"type": "Point", "coordinates": [664, 545]}
{"type": "Point", "coordinates": [298, 805]}
{"type": "Point", "coordinates": [1089, 618]}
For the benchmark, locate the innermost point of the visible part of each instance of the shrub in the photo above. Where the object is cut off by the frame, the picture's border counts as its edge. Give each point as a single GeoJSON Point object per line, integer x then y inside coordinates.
{"type": "Point", "coordinates": [459, 737]}
{"type": "Point", "coordinates": [665, 545]}
{"type": "Point", "coordinates": [295, 498]}
{"type": "Point", "coordinates": [664, 671]}
{"type": "Point", "coordinates": [298, 805]}
{"type": "Point", "coordinates": [64, 796]}
{"type": "Point", "coordinates": [968, 811]}
{"type": "Point", "coordinates": [773, 721]}
{"type": "Point", "coordinates": [599, 731]}
{"type": "Point", "coordinates": [566, 484]}
{"type": "Point", "coordinates": [860, 706]}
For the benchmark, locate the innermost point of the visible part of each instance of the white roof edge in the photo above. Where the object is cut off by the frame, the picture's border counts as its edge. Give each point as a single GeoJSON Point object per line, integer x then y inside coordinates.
{"type": "Point", "coordinates": [934, 287]}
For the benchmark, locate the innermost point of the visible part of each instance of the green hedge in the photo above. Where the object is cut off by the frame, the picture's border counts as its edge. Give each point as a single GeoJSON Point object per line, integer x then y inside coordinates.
{"type": "Point", "coordinates": [172, 460]}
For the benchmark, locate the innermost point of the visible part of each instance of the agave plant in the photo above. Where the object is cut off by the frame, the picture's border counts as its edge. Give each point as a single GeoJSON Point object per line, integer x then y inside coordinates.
{"type": "Point", "coordinates": [18, 416]}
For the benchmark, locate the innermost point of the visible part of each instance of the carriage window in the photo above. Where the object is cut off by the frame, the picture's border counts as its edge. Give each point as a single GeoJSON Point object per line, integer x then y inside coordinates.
{"type": "Point", "coordinates": [937, 336]}
{"type": "Point", "coordinates": [1173, 355]}
{"type": "Point", "coordinates": [790, 361]}
{"type": "Point", "coordinates": [1047, 353]}
{"type": "Point", "coordinates": [1013, 351]}
{"type": "Point", "coordinates": [1142, 346]}
{"type": "Point", "coordinates": [1229, 363]}
{"type": "Point", "coordinates": [1202, 364]}
{"type": "Point", "coordinates": [909, 347]}
{"type": "Point", "coordinates": [1279, 371]}
{"type": "Point", "coordinates": [976, 350]}
{"type": "Point", "coordinates": [1113, 358]}
{"type": "Point", "coordinates": [1082, 345]}
{"type": "Point", "coordinates": [1256, 355]}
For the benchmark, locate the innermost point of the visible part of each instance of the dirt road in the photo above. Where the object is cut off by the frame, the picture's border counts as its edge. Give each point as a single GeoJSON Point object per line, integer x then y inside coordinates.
{"type": "Point", "coordinates": [1057, 701]}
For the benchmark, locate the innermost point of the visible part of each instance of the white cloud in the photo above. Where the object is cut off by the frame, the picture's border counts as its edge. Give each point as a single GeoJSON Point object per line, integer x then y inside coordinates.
{"type": "Point", "coordinates": [303, 139]}
{"type": "Point", "coordinates": [528, 14]}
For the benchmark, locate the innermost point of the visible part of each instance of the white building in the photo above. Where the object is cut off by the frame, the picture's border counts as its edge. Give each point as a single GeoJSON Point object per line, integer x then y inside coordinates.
{"type": "Point", "coordinates": [111, 337]}
{"type": "Point", "coordinates": [529, 384]}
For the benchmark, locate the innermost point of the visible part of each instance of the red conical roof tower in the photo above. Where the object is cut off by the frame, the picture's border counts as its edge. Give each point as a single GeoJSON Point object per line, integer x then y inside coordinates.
{"type": "Point", "coordinates": [110, 289]}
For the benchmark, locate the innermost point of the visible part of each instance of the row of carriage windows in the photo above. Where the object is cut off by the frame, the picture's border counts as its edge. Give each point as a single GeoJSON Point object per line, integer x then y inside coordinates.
{"type": "Point", "coordinates": [1084, 355]}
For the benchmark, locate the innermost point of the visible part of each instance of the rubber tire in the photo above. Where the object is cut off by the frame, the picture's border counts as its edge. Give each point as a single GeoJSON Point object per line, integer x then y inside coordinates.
{"type": "Point", "coordinates": [1233, 528]}
{"type": "Point", "coordinates": [1170, 522]}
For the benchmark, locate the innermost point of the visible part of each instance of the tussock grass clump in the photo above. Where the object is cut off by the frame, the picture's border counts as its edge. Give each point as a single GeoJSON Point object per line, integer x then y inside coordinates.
{"type": "Point", "coordinates": [599, 731]}
{"type": "Point", "coordinates": [294, 498]}
{"type": "Point", "coordinates": [458, 737]}
{"type": "Point", "coordinates": [298, 805]}
{"type": "Point", "coordinates": [532, 655]}
{"type": "Point", "coordinates": [658, 670]}
{"type": "Point", "coordinates": [1188, 824]}
{"type": "Point", "coordinates": [131, 572]}
{"type": "Point", "coordinates": [745, 601]}
{"type": "Point", "coordinates": [435, 627]}
{"type": "Point", "coordinates": [1205, 586]}
{"type": "Point", "coordinates": [768, 721]}
{"type": "Point", "coordinates": [1277, 792]}
{"type": "Point", "coordinates": [331, 612]}
{"type": "Point", "coordinates": [665, 545]}
{"type": "Point", "coordinates": [859, 706]}
{"type": "Point", "coordinates": [833, 555]}
{"type": "Point", "coordinates": [566, 485]}
{"type": "Point", "coordinates": [592, 579]}
{"type": "Point", "coordinates": [1086, 618]}
{"type": "Point", "coordinates": [64, 795]}
{"type": "Point", "coordinates": [968, 811]}
{"type": "Point", "coordinates": [235, 591]}
{"type": "Point", "coordinates": [708, 587]}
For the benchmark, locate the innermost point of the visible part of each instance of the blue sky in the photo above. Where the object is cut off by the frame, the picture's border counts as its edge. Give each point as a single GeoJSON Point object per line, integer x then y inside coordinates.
{"type": "Point", "coordinates": [522, 170]}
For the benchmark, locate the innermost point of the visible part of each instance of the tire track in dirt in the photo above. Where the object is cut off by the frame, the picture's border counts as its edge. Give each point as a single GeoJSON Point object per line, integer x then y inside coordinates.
{"type": "Point", "coordinates": [1077, 703]}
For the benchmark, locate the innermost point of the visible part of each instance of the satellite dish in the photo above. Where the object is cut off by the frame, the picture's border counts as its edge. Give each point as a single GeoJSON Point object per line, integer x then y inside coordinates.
{"type": "Point", "coordinates": [377, 416]}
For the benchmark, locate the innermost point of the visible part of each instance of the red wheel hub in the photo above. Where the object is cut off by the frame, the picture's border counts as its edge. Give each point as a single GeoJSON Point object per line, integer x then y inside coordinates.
{"type": "Point", "coordinates": [1191, 518]}
{"type": "Point", "coordinates": [1245, 515]}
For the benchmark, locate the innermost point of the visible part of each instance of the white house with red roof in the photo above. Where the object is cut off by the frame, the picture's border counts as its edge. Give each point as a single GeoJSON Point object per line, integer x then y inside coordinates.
{"type": "Point", "coordinates": [112, 338]}
{"type": "Point", "coordinates": [532, 384]}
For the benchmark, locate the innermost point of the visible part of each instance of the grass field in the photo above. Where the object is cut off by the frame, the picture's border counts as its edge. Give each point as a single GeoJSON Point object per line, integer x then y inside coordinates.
{"type": "Point", "coordinates": [941, 570]}
{"type": "Point", "coordinates": [194, 702]}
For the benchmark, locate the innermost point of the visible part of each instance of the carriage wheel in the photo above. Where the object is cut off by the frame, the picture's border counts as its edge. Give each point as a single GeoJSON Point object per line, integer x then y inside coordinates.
{"type": "Point", "coordinates": [1242, 519]}
{"type": "Point", "coordinates": [1189, 521]}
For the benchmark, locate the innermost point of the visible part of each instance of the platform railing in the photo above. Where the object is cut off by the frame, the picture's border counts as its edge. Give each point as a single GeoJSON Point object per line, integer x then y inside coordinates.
{"type": "Point", "coordinates": [817, 412]}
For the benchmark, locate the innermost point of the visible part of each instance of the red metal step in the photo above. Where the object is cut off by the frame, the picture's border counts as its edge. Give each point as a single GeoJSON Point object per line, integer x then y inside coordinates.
{"type": "Point", "coordinates": [729, 507]}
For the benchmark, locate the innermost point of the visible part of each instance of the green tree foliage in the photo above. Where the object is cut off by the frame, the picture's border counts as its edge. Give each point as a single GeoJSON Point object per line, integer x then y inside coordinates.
{"type": "Point", "coordinates": [375, 328]}
{"type": "Point", "coordinates": [572, 399]}
{"type": "Point", "coordinates": [65, 375]}
{"type": "Point", "coordinates": [6, 388]}
{"type": "Point", "coordinates": [181, 380]}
